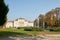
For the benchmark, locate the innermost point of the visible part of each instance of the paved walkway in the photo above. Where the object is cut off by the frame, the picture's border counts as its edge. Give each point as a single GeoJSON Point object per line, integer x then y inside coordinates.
{"type": "Point", "coordinates": [39, 37]}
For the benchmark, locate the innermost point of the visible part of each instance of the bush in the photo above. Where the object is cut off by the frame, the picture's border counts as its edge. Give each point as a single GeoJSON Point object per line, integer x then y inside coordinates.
{"type": "Point", "coordinates": [54, 29]}
{"type": "Point", "coordinates": [28, 29]}
{"type": "Point", "coordinates": [38, 29]}
{"type": "Point", "coordinates": [18, 28]}
{"type": "Point", "coordinates": [33, 29]}
{"type": "Point", "coordinates": [51, 29]}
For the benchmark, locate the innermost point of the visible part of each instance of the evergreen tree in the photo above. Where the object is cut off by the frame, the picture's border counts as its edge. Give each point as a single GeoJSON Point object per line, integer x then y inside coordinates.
{"type": "Point", "coordinates": [3, 12]}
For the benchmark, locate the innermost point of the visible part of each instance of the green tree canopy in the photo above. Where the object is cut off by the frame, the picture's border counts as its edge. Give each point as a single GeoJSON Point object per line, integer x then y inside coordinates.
{"type": "Point", "coordinates": [3, 12]}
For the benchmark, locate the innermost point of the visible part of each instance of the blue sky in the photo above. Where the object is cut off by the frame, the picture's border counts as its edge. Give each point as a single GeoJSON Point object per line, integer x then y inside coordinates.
{"type": "Point", "coordinates": [29, 9]}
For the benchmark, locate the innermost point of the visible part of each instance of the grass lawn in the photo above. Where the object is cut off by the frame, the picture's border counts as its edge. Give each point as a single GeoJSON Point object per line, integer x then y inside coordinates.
{"type": "Point", "coordinates": [14, 32]}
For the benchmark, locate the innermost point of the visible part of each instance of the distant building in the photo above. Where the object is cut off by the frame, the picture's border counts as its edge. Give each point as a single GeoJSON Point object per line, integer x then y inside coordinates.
{"type": "Point", "coordinates": [9, 24]}
{"type": "Point", "coordinates": [20, 22]}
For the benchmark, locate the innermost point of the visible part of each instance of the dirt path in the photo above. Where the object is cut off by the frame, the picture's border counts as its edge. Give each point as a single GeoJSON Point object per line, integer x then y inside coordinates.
{"type": "Point", "coordinates": [38, 37]}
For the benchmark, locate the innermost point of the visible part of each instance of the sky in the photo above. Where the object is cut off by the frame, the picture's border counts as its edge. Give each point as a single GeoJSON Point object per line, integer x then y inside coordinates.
{"type": "Point", "coordinates": [29, 9]}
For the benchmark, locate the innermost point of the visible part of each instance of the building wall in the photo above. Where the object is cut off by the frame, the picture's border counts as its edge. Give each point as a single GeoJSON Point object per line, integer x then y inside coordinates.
{"type": "Point", "coordinates": [19, 23]}
{"type": "Point", "coordinates": [16, 24]}
{"type": "Point", "coordinates": [9, 24]}
{"type": "Point", "coordinates": [30, 24]}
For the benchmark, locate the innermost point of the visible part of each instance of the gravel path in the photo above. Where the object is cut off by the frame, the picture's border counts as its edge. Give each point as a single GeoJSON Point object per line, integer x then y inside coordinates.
{"type": "Point", "coordinates": [38, 37]}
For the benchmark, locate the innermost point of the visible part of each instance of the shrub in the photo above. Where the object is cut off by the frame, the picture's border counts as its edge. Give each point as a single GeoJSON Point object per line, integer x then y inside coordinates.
{"type": "Point", "coordinates": [28, 29]}
{"type": "Point", "coordinates": [51, 29]}
{"type": "Point", "coordinates": [37, 29]}
{"type": "Point", "coordinates": [18, 28]}
{"type": "Point", "coordinates": [54, 29]}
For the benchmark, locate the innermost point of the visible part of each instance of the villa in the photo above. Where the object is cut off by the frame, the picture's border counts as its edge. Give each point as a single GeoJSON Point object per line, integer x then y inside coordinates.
{"type": "Point", "coordinates": [9, 24]}
{"type": "Point", "coordinates": [20, 22]}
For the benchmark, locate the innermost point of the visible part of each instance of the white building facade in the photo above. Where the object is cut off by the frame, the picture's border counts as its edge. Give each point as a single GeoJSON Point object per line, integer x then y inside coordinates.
{"type": "Point", "coordinates": [20, 22]}
{"type": "Point", "coordinates": [9, 24]}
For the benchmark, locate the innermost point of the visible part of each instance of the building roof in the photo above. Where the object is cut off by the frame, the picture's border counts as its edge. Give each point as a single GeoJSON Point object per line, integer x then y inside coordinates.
{"type": "Point", "coordinates": [21, 19]}
{"type": "Point", "coordinates": [10, 21]}
{"type": "Point", "coordinates": [30, 21]}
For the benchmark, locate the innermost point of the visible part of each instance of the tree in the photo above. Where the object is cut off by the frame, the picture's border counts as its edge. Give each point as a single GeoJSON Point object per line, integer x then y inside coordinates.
{"type": "Point", "coordinates": [41, 20]}
{"type": "Point", "coordinates": [50, 18]}
{"type": "Point", "coordinates": [35, 23]}
{"type": "Point", "coordinates": [3, 12]}
{"type": "Point", "coordinates": [57, 13]}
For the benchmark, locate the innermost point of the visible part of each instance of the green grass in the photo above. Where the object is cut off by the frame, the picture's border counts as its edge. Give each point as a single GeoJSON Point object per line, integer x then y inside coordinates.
{"type": "Point", "coordinates": [14, 32]}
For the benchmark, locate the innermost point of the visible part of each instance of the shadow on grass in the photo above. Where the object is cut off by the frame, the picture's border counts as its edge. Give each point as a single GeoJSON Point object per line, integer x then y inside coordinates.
{"type": "Point", "coordinates": [7, 33]}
